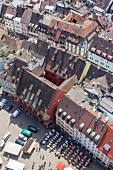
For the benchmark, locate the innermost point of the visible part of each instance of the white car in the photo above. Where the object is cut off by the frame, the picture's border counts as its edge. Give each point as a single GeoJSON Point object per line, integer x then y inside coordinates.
{"type": "Point", "coordinates": [24, 138]}
{"type": "Point", "coordinates": [2, 143]}
{"type": "Point", "coordinates": [16, 113]}
{"type": "Point", "coordinates": [3, 103]}
{"type": "Point", "coordinates": [6, 136]}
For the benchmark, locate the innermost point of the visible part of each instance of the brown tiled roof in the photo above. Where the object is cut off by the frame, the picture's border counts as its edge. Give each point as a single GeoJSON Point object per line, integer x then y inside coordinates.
{"type": "Point", "coordinates": [103, 46]}
{"type": "Point", "coordinates": [25, 44]}
{"type": "Point", "coordinates": [82, 30]}
{"type": "Point", "coordinates": [47, 89]}
{"type": "Point", "coordinates": [11, 10]}
{"type": "Point", "coordinates": [86, 122]}
{"type": "Point", "coordinates": [95, 72]}
{"type": "Point", "coordinates": [12, 42]}
{"type": "Point", "coordinates": [104, 81]}
{"type": "Point", "coordinates": [63, 64]}
{"type": "Point", "coordinates": [71, 107]}
{"type": "Point", "coordinates": [20, 11]}
{"type": "Point", "coordinates": [91, 120]}
{"type": "Point", "coordinates": [102, 4]}
{"type": "Point", "coordinates": [35, 18]}
{"type": "Point", "coordinates": [12, 71]}
{"type": "Point", "coordinates": [26, 16]}
{"type": "Point", "coordinates": [40, 49]}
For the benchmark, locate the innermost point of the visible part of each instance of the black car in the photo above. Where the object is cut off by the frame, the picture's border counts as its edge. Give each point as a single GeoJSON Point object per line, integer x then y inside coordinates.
{"type": "Point", "coordinates": [33, 129]}
{"type": "Point", "coordinates": [9, 107]}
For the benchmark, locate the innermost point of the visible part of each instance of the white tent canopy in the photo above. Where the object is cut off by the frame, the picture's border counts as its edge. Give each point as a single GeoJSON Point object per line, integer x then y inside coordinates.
{"type": "Point", "coordinates": [15, 165]}
{"type": "Point", "coordinates": [68, 168]}
{"type": "Point", "coordinates": [12, 148]}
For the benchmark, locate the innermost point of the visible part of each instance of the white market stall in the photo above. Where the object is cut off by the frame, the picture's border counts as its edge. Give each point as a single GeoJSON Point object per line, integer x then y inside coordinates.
{"type": "Point", "coordinates": [12, 148]}
{"type": "Point", "coordinates": [15, 165]}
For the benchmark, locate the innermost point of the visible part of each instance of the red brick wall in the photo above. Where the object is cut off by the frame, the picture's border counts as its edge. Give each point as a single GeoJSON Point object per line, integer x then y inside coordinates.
{"type": "Point", "coordinates": [53, 106]}
{"type": "Point", "coordinates": [53, 78]}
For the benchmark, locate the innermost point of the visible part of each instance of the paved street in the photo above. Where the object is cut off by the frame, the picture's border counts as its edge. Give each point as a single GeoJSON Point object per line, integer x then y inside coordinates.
{"type": "Point", "coordinates": [7, 123]}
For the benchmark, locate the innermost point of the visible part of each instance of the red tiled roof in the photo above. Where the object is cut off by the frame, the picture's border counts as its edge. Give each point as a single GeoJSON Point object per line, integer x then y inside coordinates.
{"type": "Point", "coordinates": [60, 166]}
{"type": "Point", "coordinates": [106, 140]}
{"type": "Point", "coordinates": [82, 30]}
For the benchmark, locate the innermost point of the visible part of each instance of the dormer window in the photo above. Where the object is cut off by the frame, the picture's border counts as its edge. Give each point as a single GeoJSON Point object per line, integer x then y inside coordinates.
{"type": "Point", "coordinates": [59, 112]}
{"type": "Point", "coordinates": [64, 115]}
{"type": "Point", "coordinates": [92, 135]}
{"type": "Point", "coordinates": [68, 118]}
{"type": "Point", "coordinates": [81, 126]}
{"type": "Point", "coordinates": [88, 131]}
{"type": "Point", "coordinates": [93, 49]}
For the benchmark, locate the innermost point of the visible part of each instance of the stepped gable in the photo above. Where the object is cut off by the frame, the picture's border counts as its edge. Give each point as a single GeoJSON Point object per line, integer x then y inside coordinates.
{"type": "Point", "coordinates": [46, 88]}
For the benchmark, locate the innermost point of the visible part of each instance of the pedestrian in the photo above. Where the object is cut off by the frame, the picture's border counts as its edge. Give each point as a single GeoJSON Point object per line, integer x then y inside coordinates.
{"type": "Point", "coordinates": [43, 157]}
{"type": "Point", "coordinates": [49, 164]}
{"type": "Point", "coordinates": [40, 156]}
{"type": "Point", "coordinates": [36, 149]}
{"type": "Point", "coordinates": [44, 164]}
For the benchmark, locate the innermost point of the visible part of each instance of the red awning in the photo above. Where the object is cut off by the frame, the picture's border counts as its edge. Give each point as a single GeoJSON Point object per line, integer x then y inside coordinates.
{"type": "Point", "coordinates": [60, 166]}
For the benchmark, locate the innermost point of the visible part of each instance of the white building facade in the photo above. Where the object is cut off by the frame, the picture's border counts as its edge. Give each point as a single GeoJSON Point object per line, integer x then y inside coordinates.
{"type": "Point", "coordinates": [9, 24]}
{"type": "Point", "coordinates": [101, 59]}
{"type": "Point", "coordinates": [17, 25]}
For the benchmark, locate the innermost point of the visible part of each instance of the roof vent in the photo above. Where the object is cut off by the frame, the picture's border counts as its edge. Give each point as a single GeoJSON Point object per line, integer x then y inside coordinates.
{"type": "Point", "coordinates": [111, 140]}
{"type": "Point", "coordinates": [101, 45]}
{"type": "Point", "coordinates": [106, 119]}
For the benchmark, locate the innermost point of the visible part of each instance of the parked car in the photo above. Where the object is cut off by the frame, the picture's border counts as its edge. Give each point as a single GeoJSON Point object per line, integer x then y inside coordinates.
{"type": "Point", "coordinates": [33, 129]}
{"type": "Point", "coordinates": [26, 132]}
{"type": "Point", "coordinates": [6, 136]}
{"type": "Point", "coordinates": [20, 142]}
{"type": "Point", "coordinates": [9, 107]}
{"type": "Point", "coordinates": [16, 113]}
{"type": "Point", "coordinates": [3, 103]}
{"type": "Point", "coordinates": [2, 143]}
{"type": "Point", "coordinates": [22, 137]}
